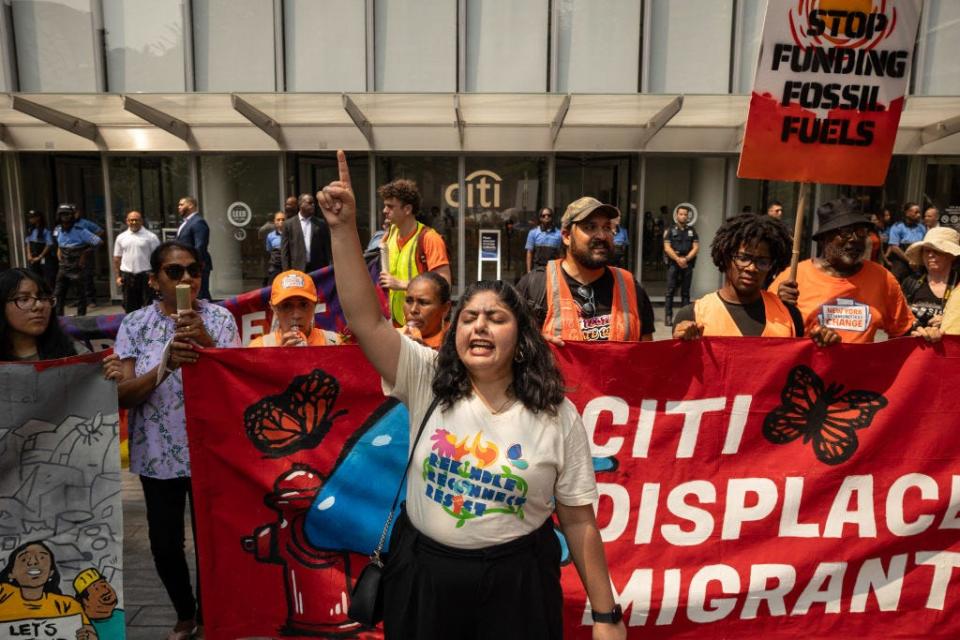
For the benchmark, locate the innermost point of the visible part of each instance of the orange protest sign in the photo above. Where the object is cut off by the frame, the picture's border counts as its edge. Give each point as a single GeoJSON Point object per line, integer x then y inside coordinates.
{"type": "Point", "coordinates": [829, 90]}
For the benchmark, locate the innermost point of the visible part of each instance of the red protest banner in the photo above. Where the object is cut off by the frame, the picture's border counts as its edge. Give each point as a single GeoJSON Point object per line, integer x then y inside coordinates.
{"type": "Point", "coordinates": [755, 487]}
{"type": "Point", "coordinates": [829, 90]}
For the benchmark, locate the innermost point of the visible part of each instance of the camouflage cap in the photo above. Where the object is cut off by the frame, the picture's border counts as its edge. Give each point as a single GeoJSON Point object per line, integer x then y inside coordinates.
{"type": "Point", "coordinates": [582, 208]}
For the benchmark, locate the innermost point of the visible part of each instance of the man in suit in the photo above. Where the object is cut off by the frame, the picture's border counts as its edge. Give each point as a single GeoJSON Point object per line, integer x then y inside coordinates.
{"type": "Point", "coordinates": [195, 232]}
{"type": "Point", "coordinates": [306, 239]}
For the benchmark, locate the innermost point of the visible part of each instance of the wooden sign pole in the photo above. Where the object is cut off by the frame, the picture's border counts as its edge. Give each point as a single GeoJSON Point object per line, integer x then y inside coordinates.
{"type": "Point", "coordinates": [798, 229]}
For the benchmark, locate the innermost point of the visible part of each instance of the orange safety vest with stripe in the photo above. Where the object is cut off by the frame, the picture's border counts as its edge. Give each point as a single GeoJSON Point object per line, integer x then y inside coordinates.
{"type": "Point", "coordinates": [717, 321]}
{"type": "Point", "coordinates": [563, 315]}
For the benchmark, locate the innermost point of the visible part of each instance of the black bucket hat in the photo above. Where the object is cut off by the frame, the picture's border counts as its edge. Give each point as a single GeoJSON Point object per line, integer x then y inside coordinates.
{"type": "Point", "coordinates": [839, 213]}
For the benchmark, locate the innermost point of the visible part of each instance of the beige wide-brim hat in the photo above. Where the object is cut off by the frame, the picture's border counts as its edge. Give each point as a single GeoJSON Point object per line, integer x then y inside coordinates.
{"type": "Point", "coordinates": [942, 239]}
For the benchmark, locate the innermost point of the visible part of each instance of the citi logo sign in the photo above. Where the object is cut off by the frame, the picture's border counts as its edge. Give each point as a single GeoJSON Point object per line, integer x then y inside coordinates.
{"type": "Point", "coordinates": [483, 189]}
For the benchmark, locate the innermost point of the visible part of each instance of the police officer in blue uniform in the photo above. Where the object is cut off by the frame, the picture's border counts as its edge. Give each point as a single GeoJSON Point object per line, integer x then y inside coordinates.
{"type": "Point", "coordinates": [544, 242]}
{"type": "Point", "coordinates": [74, 245]}
{"type": "Point", "coordinates": [680, 247]}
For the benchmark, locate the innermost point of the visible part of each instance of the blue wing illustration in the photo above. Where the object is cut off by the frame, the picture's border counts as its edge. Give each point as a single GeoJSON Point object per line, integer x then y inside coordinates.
{"type": "Point", "coordinates": [351, 508]}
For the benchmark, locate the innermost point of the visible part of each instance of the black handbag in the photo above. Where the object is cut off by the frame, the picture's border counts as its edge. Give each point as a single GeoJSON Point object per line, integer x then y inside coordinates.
{"type": "Point", "coordinates": [366, 599]}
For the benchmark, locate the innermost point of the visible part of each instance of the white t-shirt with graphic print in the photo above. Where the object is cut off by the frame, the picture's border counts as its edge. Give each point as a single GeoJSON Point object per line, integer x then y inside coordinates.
{"type": "Point", "coordinates": [479, 479]}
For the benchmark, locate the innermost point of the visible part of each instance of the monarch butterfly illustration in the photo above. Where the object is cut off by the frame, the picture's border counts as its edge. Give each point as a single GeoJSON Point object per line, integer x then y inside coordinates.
{"type": "Point", "coordinates": [296, 419]}
{"type": "Point", "coordinates": [823, 415]}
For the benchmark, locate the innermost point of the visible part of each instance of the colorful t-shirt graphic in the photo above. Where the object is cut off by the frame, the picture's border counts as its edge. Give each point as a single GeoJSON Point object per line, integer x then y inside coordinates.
{"type": "Point", "coordinates": [474, 477]}
{"type": "Point", "coordinates": [480, 479]}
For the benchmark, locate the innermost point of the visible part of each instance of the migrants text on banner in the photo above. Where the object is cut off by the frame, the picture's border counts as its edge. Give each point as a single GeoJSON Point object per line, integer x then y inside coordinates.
{"type": "Point", "coordinates": [748, 488]}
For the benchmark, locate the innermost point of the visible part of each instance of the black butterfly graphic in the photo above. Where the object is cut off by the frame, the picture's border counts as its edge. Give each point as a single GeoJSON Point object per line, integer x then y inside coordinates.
{"type": "Point", "coordinates": [296, 419]}
{"type": "Point", "coordinates": [821, 414]}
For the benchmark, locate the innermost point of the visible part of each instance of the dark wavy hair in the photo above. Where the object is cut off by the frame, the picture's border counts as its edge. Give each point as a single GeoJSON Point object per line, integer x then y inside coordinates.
{"type": "Point", "coordinates": [537, 382]}
{"type": "Point", "coordinates": [404, 190]}
{"type": "Point", "coordinates": [749, 229]}
{"type": "Point", "coordinates": [156, 258]}
{"type": "Point", "coordinates": [53, 342]}
{"type": "Point", "coordinates": [52, 585]}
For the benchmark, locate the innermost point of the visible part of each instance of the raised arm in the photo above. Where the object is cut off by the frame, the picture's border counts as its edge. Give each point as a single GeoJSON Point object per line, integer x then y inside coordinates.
{"type": "Point", "coordinates": [375, 334]}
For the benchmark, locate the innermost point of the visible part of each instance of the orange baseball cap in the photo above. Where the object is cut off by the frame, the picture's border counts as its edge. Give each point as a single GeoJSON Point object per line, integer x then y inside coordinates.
{"type": "Point", "coordinates": [290, 284]}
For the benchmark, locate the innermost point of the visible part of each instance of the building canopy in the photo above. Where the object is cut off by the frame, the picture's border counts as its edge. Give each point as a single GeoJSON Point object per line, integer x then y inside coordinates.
{"type": "Point", "coordinates": [392, 122]}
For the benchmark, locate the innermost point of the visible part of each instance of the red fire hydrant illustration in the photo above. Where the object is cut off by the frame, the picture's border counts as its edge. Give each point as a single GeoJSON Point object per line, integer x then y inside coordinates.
{"type": "Point", "coordinates": [317, 581]}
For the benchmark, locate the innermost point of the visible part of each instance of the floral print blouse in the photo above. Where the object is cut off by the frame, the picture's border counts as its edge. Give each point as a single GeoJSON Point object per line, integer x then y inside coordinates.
{"type": "Point", "coordinates": [158, 427]}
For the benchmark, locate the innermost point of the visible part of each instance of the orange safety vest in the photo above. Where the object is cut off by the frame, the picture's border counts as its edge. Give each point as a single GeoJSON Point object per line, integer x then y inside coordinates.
{"type": "Point", "coordinates": [717, 321]}
{"type": "Point", "coordinates": [563, 314]}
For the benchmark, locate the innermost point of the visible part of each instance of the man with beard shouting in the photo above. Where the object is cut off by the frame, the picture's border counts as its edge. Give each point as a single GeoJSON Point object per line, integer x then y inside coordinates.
{"type": "Point", "coordinates": [581, 297]}
{"type": "Point", "coordinates": [841, 291]}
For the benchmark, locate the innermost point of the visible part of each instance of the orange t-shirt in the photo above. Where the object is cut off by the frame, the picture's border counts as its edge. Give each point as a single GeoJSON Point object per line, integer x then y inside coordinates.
{"type": "Point", "coordinates": [854, 307]}
{"type": "Point", "coordinates": [317, 338]}
{"type": "Point", "coordinates": [433, 247]}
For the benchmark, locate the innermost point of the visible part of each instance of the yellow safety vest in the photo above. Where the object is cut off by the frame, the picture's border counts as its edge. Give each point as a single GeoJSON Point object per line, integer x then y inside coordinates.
{"type": "Point", "coordinates": [406, 263]}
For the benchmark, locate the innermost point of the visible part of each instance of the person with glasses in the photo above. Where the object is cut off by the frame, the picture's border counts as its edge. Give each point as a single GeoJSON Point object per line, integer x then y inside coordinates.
{"type": "Point", "coordinates": [543, 241]}
{"type": "Point", "coordinates": [26, 330]}
{"type": "Point", "coordinates": [582, 297]}
{"type": "Point", "coordinates": [839, 289]}
{"type": "Point", "coordinates": [750, 251]}
{"type": "Point", "coordinates": [150, 386]}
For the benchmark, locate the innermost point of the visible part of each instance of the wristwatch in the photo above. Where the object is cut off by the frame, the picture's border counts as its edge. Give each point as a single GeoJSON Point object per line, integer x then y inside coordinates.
{"type": "Point", "coordinates": [612, 617]}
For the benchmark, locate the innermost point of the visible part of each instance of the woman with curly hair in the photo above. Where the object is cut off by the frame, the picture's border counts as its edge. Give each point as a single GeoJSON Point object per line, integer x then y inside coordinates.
{"type": "Point", "coordinates": [750, 251]}
{"type": "Point", "coordinates": [475, 546]}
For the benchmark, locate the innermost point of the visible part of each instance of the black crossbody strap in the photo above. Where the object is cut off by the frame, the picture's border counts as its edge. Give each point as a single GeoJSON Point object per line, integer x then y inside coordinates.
{"type": "Point", "coordinates": [396, 498]}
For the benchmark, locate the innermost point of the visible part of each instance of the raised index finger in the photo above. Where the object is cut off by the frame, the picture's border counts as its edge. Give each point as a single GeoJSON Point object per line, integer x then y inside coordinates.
{"type": "Point", "coordinates": [342, 166]}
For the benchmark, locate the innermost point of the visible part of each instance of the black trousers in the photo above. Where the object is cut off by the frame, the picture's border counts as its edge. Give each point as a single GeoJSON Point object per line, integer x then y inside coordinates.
{"type": "Point", "coordinates": [63, 285]}
{"type": "Point", "coordinates": [677, 277]}
{"type": "Point", "coordinates": [166, 501]}
{"type": "Point", "coordinates": [508, 591]}
{"type": "Point", "coordinates": [88, 284]}
{"type": "Point", "coordinates": [136, 290]}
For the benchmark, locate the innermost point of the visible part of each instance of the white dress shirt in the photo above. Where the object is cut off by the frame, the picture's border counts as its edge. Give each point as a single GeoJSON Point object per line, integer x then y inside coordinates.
{"type": "Point", "coordinates": [180, 228]}
{"type": "Point", "coordinates": [134, 250]}
{"type": "Point", "coordinates": [307, 225]}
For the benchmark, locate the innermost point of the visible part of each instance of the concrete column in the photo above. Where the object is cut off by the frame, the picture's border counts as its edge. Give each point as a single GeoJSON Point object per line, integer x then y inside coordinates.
{"type": "Point", "coordinates": [708, 181]}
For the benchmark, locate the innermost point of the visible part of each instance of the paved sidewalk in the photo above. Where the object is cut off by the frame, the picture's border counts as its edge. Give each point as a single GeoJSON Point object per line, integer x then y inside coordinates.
{"type": "Point", "coordinates": [150, 616]}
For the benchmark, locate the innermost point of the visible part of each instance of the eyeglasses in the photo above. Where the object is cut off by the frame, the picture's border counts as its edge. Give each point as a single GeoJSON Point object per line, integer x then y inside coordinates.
{"type": "Point", "coordinates": [176, 271]}
{"type": "Point", "coordinates": [588, 309]}
{"type": "Point", "coordinates": [744, 260]}
{"type": "Point", "coordinates": [852, 232]}
{"type": "Point", "coordinates": [546, 215]}
{"type": "Point", "coordinates": [25, 303]}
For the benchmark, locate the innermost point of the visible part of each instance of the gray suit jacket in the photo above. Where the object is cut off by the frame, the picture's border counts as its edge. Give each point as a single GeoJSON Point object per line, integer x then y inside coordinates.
{"type": "Point", "coordinates": [293, 250]}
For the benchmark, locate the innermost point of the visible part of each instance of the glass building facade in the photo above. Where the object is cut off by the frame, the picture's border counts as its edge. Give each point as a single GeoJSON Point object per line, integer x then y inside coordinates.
{"type": "Point", "coordinates": [495, 107]}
